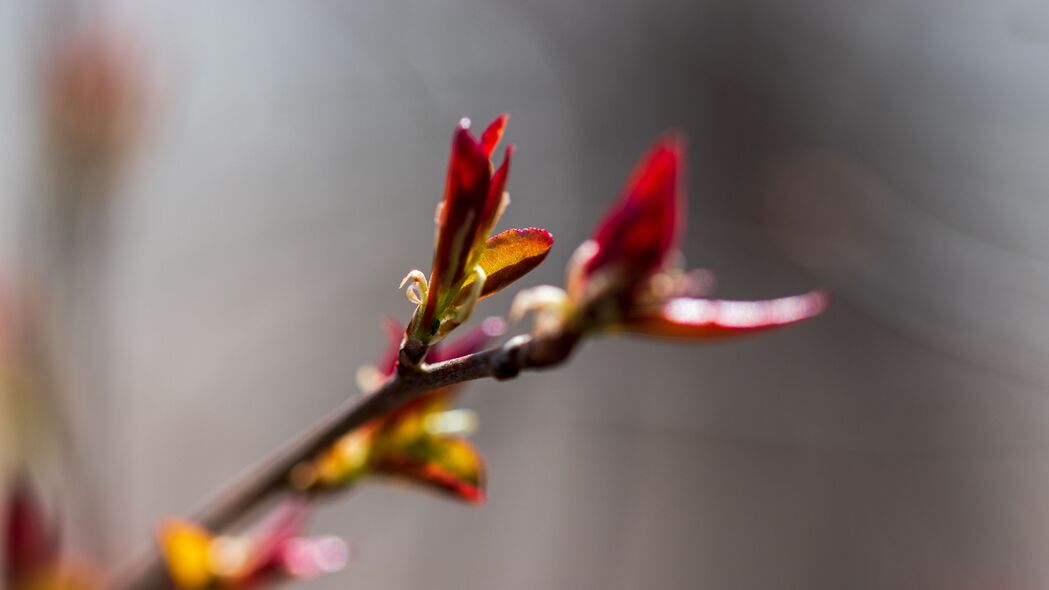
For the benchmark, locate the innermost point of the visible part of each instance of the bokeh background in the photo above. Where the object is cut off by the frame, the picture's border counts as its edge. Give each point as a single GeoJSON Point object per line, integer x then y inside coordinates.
{"type": "Point", "coordinates": [285, 180]}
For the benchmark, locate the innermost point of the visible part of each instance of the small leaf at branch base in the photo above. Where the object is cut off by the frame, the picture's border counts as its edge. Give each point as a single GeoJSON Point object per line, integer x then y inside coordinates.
{"type": "Point", "coordinates": [700, 319]}
{"type": "Point", "coordinates": [512, 254]}
{"type": "Point", "coordinates": [448, 465]}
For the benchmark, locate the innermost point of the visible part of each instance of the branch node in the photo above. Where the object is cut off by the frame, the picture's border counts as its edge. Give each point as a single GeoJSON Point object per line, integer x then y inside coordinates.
{"type": "Point", "coordinates": [412, 354]}
{"type": "Point", "coordinates": [505, 365]}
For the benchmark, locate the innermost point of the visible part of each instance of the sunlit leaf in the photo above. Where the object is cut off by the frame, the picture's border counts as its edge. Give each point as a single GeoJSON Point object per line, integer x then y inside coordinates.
{"type": "Point", "coordinates": [498, 199]}
{"type": "Point", "coordinates": [709, 318]}
{"type": "Point", "coordinates": [511, 254]}
{"type": "Point", "coordinates": [448, 465]}
{"type": "Point", "coordinates": [493, 133]}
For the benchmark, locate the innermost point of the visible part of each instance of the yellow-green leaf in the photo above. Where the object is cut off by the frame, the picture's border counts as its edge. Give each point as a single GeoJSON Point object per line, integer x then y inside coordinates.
{"type": "Point", "coordinates": [448, 465]}
{"type": "Point", "coordinates": [510, 255]}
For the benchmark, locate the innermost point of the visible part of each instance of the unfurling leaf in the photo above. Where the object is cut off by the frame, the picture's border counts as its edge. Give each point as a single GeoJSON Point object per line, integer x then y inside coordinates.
{"type": "Point", "coordinates": [511, 254]}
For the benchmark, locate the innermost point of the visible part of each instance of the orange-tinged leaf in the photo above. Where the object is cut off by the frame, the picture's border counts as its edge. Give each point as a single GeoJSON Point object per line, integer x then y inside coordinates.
{"type": "Point", "coordinates": [185, 547]}
{"type": "Point", "coordinates": [511, 254]}
{"type": "Point", "coordinates": [446, 464]}
{"type": "Point", "coordinates": [689, 318]}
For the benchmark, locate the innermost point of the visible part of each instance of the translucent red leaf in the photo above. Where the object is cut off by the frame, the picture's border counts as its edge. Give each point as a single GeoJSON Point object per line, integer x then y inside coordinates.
{"type": "Point", "coordinates": [511, 254]}
{"type": "Point", "coordinates": [495, 195]}
{"type": "Point", "coordinates": [708, 318]}
{"type": "Point", "coordinates": [646, 223]}
{"type": "Point", "coordinates": [491, 136]}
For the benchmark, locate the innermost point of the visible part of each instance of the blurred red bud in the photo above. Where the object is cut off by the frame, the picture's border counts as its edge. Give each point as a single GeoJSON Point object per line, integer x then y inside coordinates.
{"type": "Point", "coordinates": [31, 545]}
{"type": "Point", "coordinates": [96, 95]}
{"type": "Point", "coordinates": [635, 236]}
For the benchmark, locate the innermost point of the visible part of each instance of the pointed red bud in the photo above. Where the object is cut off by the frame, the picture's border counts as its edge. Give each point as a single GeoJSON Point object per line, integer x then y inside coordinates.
{"type": "Point", "coordinates": [640, 229]}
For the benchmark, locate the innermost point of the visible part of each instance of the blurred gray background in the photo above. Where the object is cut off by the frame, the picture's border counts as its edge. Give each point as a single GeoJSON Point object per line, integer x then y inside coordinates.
{"type": "Point", "coordinates": [895, 151]}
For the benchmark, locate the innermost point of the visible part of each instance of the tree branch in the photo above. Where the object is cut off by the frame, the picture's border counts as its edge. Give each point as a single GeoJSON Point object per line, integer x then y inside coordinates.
{"type": "Point", "coordinates": [272, 476]}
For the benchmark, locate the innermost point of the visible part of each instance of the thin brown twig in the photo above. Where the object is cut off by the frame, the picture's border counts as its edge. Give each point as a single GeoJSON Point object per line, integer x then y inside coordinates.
{"type": "Point", "coordinates": [272, 477]}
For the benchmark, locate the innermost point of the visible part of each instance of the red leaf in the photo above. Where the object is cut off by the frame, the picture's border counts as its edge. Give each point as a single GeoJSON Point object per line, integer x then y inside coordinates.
{"type": "Point", "coordinates": [491, 136]}
{"type": "Point", "coordinates": [708, 318]}
{"type": "Point", "coordinates": [495, 196]}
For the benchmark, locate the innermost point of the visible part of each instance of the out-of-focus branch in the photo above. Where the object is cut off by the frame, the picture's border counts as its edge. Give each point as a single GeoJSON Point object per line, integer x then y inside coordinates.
{"type": "Point", "coordinates": [272, 477]}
